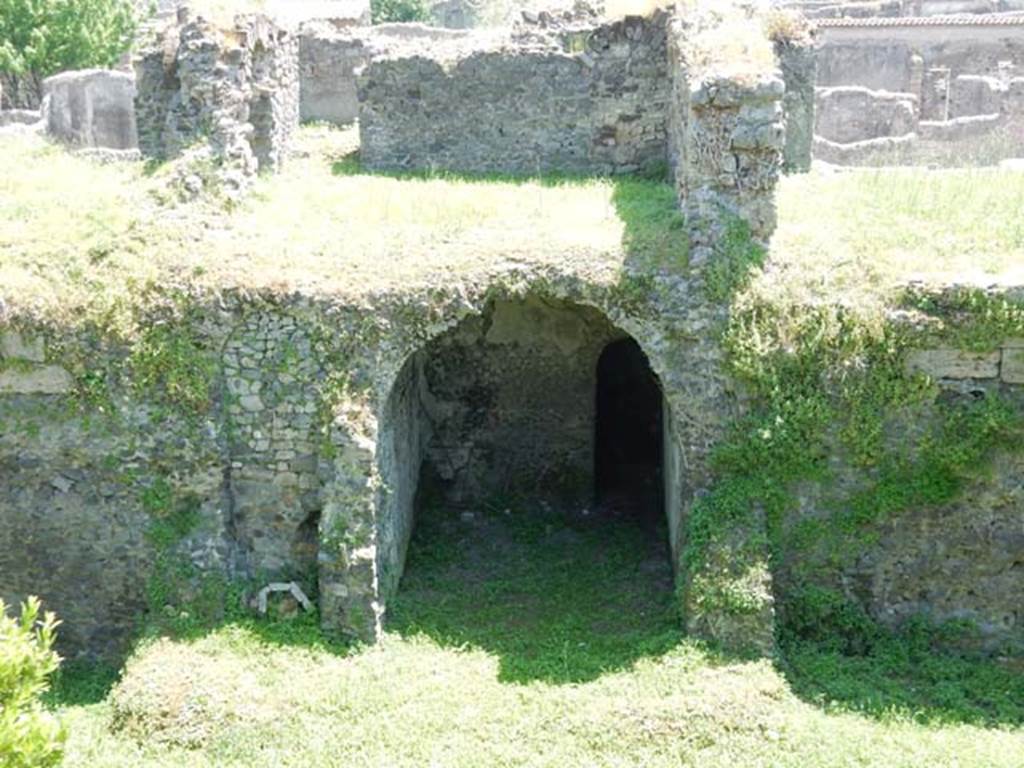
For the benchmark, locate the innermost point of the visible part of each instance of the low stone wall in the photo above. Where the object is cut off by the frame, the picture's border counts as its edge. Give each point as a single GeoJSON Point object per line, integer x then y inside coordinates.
{"type": "Point", "coordinates": [589, 101]}
{"type": "Point", "coordinates": [959, 561]}
{"type": "Point", "coordinates": [851, 114]}
{"type": "Point", "coordinates": [92, 108]}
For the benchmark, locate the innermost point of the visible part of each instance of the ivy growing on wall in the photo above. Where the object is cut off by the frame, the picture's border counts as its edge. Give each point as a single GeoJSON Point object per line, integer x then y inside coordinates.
{"type": "Point", "coordinates": [823, 379]}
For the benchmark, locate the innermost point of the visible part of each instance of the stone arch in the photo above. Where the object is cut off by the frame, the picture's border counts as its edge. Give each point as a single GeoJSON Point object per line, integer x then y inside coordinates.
{"type": "Point", "coordinates": [367, 506]}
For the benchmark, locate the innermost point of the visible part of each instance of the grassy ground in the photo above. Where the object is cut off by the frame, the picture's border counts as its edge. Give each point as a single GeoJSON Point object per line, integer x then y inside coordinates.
{"type": "Point", "coordinates": [324, 226]}
{"type": "Point", "coordinates": [531, 639]}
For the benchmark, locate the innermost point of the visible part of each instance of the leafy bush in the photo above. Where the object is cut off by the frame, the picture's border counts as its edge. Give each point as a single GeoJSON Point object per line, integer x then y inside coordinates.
{"type": "Point", "coordinates": [399, 10]}
{"type": "Point", "coordinates": [41, 37]}
{"type": "Point", "coordinates": [30, 737]}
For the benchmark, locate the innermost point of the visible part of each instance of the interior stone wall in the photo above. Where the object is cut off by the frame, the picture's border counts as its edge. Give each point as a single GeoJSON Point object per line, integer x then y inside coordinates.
{"type": "Point", "coordinates": [881, 58]}
{"type": "Point", "coordinates": [879, 66]}
{"type": "Point", "coordinates": [798, 62]}
{"type": "Point", "coordinates": [405, 432]}
{"type": "Point", "coordinates": [850, 113]}
{"type": "Point", "coordinates": [328, 60]}
{"type": "Point", "coordinates": [80, 488]}
{"type": "Point", "coordinates": [961, 560]}
{"type": "Point", "coordinates": [511, 398]}
{"type": "Point", "coordinates": [270, 402]}
{"type": "Point", "coordinates": [92, 108]}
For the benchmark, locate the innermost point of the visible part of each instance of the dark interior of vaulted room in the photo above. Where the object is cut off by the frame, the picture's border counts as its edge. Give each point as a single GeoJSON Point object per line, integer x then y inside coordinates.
{"type": "Point", "coordinates": [537, 509]}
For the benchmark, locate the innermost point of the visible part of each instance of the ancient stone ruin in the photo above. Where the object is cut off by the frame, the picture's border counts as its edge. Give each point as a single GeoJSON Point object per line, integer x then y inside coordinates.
{"type": "Point", "coordinates": [327, 417]}
{"type": "Point", "coordinates": [942, 88]}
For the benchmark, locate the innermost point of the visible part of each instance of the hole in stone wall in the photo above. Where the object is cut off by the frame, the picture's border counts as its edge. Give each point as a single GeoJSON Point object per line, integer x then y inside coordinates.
{"type": "Point", "coordinates": [628, 434]}
{"type": "Point", "coordinates": [305, 545]}
{"type": "Point", "coordinates": [261, 115]}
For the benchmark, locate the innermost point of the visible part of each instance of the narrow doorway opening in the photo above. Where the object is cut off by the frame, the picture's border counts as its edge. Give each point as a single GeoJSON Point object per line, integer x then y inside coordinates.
{"type": "Point", "coordinates": [628, 435]}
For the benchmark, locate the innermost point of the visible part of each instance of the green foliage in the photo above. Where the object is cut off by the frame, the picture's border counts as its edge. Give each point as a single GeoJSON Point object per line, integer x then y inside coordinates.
{"type": "Point", "coordinates": [735, 257]}
{"type": "Point", "coordinates": [30, 737]}
{"type": "Point", "coordinates": [947, 457]}
{"type": "Point", "coordinates": [838, 655]}
{"type": "Point", "coordinates": [170, 366]}
{"type": "Point", "coordinates": [383, 11]}
{"type": "Point", "coordinates": [825, 378]}
{"type": "Point", "coordinates": [972, 319]}
{"type": "Point", "coordinates": [42, 37]}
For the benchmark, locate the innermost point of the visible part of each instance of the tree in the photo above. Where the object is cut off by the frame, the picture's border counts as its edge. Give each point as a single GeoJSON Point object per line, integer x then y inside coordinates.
{"type": "Point", "coordinates": [41, 37]}
{"type": "Point", "coordinates": [397, 10]}
{"type": "Point", "coordinates": [30, 737]}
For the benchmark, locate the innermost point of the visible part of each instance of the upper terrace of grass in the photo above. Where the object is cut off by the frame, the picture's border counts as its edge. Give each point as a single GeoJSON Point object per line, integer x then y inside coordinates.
{"type": "Point", "coordinates": [76, 235]}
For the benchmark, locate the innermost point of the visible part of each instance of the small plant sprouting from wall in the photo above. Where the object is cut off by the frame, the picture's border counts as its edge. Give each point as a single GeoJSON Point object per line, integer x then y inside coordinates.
{"type": "Point", "coordinates": [170, 366]}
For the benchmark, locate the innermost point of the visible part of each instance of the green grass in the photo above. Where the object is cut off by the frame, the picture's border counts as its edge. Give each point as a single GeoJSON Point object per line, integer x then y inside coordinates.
{"type": "Point", "coordinates": [852, 237]}
{"type": "Point", "coordinates": [532, 639]}
{"type": "Point", "coordinates": [322, 226]}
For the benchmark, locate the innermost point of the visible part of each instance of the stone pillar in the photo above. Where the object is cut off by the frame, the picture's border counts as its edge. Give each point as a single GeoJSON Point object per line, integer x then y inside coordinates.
{"type": "Point", "coordinates": [733, 155]}
{"type": "Point", "coordinates": [799, 66]}
{"type": "Point", "coordinates": [350, 602]}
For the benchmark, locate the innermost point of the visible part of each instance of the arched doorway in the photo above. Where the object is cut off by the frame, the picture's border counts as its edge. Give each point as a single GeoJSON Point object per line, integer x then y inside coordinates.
{"type": "Point", "coordinates": [504, 427]}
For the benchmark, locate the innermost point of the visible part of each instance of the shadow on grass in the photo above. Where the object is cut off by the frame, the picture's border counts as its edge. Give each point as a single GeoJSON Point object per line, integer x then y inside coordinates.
{"type": "Point", "coordinates": [79, 683]}
{"type": "Point", "coordinates": [557, 599]}
{"type": "Point", "coordinates": [654, 238]}
{"type": "Point", "coordinates": [900, 678]}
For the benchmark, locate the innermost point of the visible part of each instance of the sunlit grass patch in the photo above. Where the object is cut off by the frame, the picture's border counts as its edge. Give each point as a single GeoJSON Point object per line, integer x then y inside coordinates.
{"type": "Point", "coordinates": [504, 650]}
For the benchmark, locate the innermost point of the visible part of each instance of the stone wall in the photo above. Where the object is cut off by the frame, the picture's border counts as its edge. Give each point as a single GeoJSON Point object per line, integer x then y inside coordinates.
{"type": "Point", "coordinates": [849, 114]}
{"type": "Point", "coordinates": [511, 398]}
{"type": "Point", "coordinates": [959, 74]}
{"type": "Point", "coordinates": [236, 90]}
{"type": "Point", "coordinates": [328, 60]}
{"type": "Point", "coordinates": [406, 431]}
{"type": "Point", "coordinates": [499, 400]}
{"type": "Point", "coordinates": [82, 485]}
{"type": "Point", "coordinates": [92, 108]}
{"type": "Point", "coordinates": [726, 143]}
{"type": "Point", "coordinates": [589, 101]}
{"type": "Point", "coordinates": [302, 459]}
{"type": "Point", "coordinates": [798, 61]}
{"type": "Point", "coordinates": [330, 55]}
{"type": "Point", "coordinates": [962, 560]}
{"type": "Point", "coordinates": [20, 91]}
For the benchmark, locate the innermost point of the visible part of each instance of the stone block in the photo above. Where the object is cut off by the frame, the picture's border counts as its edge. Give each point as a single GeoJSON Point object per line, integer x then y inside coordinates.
{"type": "Point", "coordinates": [92, 108]}
{"type": "Point", "coordinates": [16, 345]}
{"type": "Point", "coordinates": [1012, 368]}
{"type": "Point", "coordinates": [948, 363]}
{"type": "Point", "coordinates": [44, 380]}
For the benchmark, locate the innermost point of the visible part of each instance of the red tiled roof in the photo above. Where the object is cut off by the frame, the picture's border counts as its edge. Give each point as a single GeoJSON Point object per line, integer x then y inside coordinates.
{"type": "Point", "coordinates": [959, 20]}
